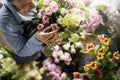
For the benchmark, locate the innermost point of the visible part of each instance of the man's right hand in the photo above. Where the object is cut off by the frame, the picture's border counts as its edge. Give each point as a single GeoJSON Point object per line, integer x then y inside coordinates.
{"type": "Point", "coordinates": [46, 37]}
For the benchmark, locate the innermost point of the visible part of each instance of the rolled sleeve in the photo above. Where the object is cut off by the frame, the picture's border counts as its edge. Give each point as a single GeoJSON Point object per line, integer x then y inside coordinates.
{"type": "Point", "coordinates": [36, 42]}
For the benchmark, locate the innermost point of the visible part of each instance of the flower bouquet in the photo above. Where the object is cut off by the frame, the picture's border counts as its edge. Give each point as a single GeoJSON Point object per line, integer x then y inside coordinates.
{"type": "Point", "coordinates": [77, 26]}
{"type": "Point", "coordinates": [10, 70]}
{"type": "Point", "coordinates": [79, 53]}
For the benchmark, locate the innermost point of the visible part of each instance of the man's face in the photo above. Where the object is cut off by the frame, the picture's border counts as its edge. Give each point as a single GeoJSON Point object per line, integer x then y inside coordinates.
{"type": "Point", "coordinates": [24, 6]}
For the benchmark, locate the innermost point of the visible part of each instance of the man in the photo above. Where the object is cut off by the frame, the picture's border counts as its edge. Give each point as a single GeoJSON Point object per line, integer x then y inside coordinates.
{"type": "Point", "coordinates": [11, 17]}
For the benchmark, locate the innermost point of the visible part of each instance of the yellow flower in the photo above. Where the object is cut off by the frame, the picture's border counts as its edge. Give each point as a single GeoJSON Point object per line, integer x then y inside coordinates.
{"type": "Point", "coordinates": [105, 41]}
{"type": "Point", "coordinates": [41, 71]}
{"type": "Point", "coordinates": [116, 55]}
{"type": "Point", "coordinates": [90, 47]}
{"type": "Point", "coordinates": [101, 51]}
{"type": "Point", "coordinates": [100, 56]}
{"type": "Point", "coordinates": [87, 67]}
{"type": "Point", "coordinates": [94, 65]}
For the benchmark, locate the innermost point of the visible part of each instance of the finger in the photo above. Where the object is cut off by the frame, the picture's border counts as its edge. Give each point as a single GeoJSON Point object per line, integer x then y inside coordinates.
{"type": "Point", "coordinates": [53, 39]}
{"type": "Point", "coordinates": [50, 37]}
{"type": "Point", "coordinates": [47, 29]}
{"type": "Point", "coordinates": [52, 32]}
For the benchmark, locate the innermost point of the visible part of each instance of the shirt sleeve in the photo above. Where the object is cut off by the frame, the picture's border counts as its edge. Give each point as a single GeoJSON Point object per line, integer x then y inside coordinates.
{"type": "Point", "coordinates": [22, 47]}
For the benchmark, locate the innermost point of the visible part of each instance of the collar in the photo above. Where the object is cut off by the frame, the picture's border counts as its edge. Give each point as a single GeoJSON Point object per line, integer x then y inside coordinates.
{"type": "Point", "coordinates": [14, 12]}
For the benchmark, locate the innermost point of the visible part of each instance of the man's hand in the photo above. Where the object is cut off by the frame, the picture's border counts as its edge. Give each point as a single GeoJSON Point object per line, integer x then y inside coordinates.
{"type": "Point", "coordinates": [45, 36]}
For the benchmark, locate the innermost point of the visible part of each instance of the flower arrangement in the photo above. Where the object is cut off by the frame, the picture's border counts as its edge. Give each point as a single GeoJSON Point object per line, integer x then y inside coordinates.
{"type": "Point", "coordinates": [104, 63]}
{"type": "Point", "coordinates": [76, 24]}
{"type": "Point", "coordinates": [10, 70]}
{"type": "Point", "coordinates": [81, 50]}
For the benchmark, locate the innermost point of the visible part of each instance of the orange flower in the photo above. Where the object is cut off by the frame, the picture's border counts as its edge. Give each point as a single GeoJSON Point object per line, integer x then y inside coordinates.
{"type": "Point", "coordinates": [100, 37]}
{"type": "Point", "coordinates": [94, 65]}
{"type": "Point", "coordinates": [116, 55]}
{"type": "Point", "coordinates": [84, 37]}
{"type": "Point", "coordinates": [105, 41]}
{"type": "Point", "coordinates": [90, 47]}
{"type": "Point", "coordinates": [101, 51]}
{"type": "Point", "coordinates": [100, 56]}
{"type": "Point", "coordinates": [87, 67]}
{"type": "Point", "coordinates": [76, 74]}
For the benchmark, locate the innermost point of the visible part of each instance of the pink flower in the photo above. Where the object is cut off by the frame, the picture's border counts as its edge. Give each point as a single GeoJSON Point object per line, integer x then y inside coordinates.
{"type": "Point", "coordinates": [41, 13]}
{"type": "Point", "coordinates": [48, 11]}
{"type": "Point", "coordinates": [53, 76]}
{"type": "Point", "coordinates": [67, 58]}
{"type": "Point", "coordinates": [57, 53]}
{"type": "Point", "coordinates": [54, 26]}
{"type": "Point", "coordinates": [51, 67]}
{"type": "Point", "coordinates": [45, 19]}
{"type": "Point", "coordinates": [46, 2]}
{"type": "Point", "coordinates": [48, 60]}
{"type": "Point", "coordinates": [53, 6]}
{"type": "Point", "coordinates": [40, 27]}
{"type": "Point", "coordinates": [57, 70]}
{"type": "Point", "coordinates": [94, 20]}
{"type": "Point", "coordinates": [102, 2]}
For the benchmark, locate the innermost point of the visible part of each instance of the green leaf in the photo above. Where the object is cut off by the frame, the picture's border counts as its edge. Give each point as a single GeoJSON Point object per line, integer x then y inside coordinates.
{"type": "Point", "coordinates": [16, 76]}
{"type": "Point", "coordinates": [101, 8]}
{"type": "Point", "coordinates": [79, 30]}
{"type": "Point", "coordinates": [84, 51]}
{"type": "Point", "coordinates": [6, 52]}
{"type": "Point", "coordinates": [47, 51]}
{"type": "Point", "coordinates": [73, 28]}
{"type": "Point", "coordinates": [66, 34]}
{"type": "Point", "coordinates": [108, 55]}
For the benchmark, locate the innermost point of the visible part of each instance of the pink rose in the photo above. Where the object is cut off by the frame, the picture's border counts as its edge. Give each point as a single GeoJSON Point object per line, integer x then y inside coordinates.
{"type": "Point", "coordinates": [40, 27]}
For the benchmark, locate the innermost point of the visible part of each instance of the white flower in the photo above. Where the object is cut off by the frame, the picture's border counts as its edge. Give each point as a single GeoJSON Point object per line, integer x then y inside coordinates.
{"type": "Point", "coordinates": [63, 11]}
{"type": "Point", "coordinates": [62, 57]}
{"type": "Point", "coordinates": [1, 56]}
{"type": "Point", "coordinates": [79, 45]}
{"type": "Point", "coordinates": [0, 51]}
{"type": "Point", "coordinates": [66, 46]}
{"type": "Point", "coordinates": [32, 73]}
{"type": "Point", "coordinates": [64, 76]}
{"type": "Point", "coordinates": [59, 20]}
{"type": "Point", "coordinates": [38, 77]}
{"type": "Point", "coordinates": [72, 49]}
{"type": "Point", "coordinates": [77, 79]}
{"type": "Point", "coordinates": [9, 59]}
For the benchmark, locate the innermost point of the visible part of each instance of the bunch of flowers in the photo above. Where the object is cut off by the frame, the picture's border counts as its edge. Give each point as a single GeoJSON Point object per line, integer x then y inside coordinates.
{"type": "Point", "coordinates": [103, 66]}
{"type": "Point", "coordinates": [78, 52]}
{"type": "Point", "coordinates": [9, 70]}
{"type": "Point", "coordinates": [76, 24]}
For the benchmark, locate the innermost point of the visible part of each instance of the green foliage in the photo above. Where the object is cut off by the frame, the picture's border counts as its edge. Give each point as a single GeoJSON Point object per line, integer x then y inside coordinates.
{"type": "Point", "coordinates": [47, 51]}
{"type": "Point", "coordinates": [101, 8]}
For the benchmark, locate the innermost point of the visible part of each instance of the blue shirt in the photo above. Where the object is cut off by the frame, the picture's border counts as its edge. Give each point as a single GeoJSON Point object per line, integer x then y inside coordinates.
{"type": "Point", "coordinates": [10, 25]}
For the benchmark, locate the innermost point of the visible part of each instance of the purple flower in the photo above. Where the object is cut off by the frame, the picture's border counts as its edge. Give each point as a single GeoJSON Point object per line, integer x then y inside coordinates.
{"type": "Point", "coordinates": [93, 21]}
